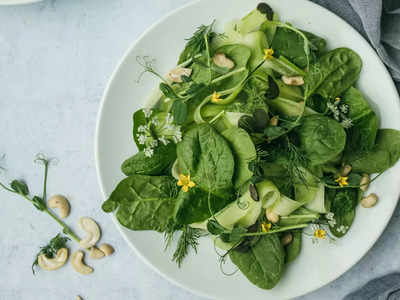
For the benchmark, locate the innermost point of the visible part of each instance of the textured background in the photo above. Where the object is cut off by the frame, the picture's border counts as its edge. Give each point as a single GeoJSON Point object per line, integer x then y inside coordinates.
{"type": "Point", "coordinates": [55, 60]}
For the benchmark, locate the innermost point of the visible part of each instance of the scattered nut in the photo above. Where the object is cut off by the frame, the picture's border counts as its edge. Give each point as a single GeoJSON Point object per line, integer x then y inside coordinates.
{"type": "Point", "coordinates": [176, 74]}
{"type": "Point", "coordinates": [293, 80]}
{"type": "Point", "coordinates": [55, 263]}
{"type": "Point", "coordinates": [364, 183]}
{"type": "Point", "coordinates": [79, 265]}
{"type": "Point", "coordinates": [222, 61]}
{"type": "Point", "coordinates": [96, 253]}
{"type": "Point", "coordinates": [274, 121]}
{"type": "Point", "coordinates": [271, 216]}
{"type": "Point", "coordinates": [286, 239]}
{"type": "Point", "coordinates": [60, 202]}
{"type": "Point", "coordinates": [346, 169]}
{"type": "Point", "coordinates": [369, 201]}
{"type": "Point", "coordinates": [93, 232]}
{"type": "Point", "coordinates": [78, 298]}
{"type": "Point", "coordinates": [107, 249]}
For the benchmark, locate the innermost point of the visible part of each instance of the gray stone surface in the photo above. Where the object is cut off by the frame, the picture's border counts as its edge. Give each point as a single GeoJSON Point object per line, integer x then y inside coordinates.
{"type": "Point", "coordinates": [55, 60]}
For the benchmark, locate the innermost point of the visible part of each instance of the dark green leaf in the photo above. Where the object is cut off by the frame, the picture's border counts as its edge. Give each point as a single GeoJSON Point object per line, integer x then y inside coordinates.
{"type": "Point", "coordinates": [294, 248]}
{"type": "Point", "coordinates": [273, 132]}
{"type": "Point", "coordinates": [162, 158]}
{"type": "Point", "coordinates": [39, 203]}
{"type": "Point", "coordinates": [264, 8]}
{"type": "Point", "coordinates": [179, 111]}
{"type": "Point", "coordinates": [214, 227]}
{"type": "Point", "coordinates": [20, 187]}
{"type": "Point", "coordinates": [168, 91]}
{"type": "Point", "coordinates": [263, 264]}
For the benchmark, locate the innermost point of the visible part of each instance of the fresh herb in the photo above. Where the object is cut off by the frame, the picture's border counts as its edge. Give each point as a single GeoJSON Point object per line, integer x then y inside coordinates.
{"type": "Point", "coordinates": [50, 250]}
{"type": "Point", "coordinates": [20, 188]}
{"type": "Point", "coordinates": [189, 239]}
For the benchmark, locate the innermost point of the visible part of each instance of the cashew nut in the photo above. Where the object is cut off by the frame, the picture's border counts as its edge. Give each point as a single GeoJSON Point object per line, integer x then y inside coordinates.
{"type": "Point", "coordinates": [60, 202]}
{"type": "Point", "coordinates": [55, 263]}
{"type": "Point", "coordinates": [107, 249]}
{"type": "Point", "coordinates": [79, 265]}
{"type": "Point", "coordinates": [222, 61]}
{"type": "Point", "coordinates": [176, 74]}
{"type": "Point", "coordinates": [364, 183]}
{"type": "Point", "coordinates": [369, 201]}
{"type": "Point", "coordinates": [346, 169]}
{"type": "Point", "coordinates": [293, 80]}
{"type": "Point", "coordinates": [271, 216]}
{"type": "Point", "coordinates": [286, 239]}
{"type": "Point", "coordinates": [96, 253]}
{"type": "Point", "coordinates": [93, 232]}
{"type": "Point", "coordinates": [78, 298]}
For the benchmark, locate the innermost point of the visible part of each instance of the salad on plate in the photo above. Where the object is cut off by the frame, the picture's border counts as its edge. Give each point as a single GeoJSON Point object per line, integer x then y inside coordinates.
{"type": "Point", "coordinates": [256, 139]}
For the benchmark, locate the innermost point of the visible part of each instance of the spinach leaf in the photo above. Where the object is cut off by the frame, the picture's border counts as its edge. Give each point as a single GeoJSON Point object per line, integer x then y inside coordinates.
{"type": "Point", "coordinates": [321, 139]}
{"type": "Point", "coordinates": [333, 73]}
{"type": "Point", "coordinates": [143, 202]}
{"type": "Point", "coordinates": [207, 157]}
{"type": "Point", "coordinates": [362, 135]}
{"type": "Point", "coordinates": [193, 206]}
{"type": "Point", "coordinates": [163, 157]}
{"type": "Point", "coordinates": [179, 111]}
{"type": "Point", "coordinates": [244, 152]}
{"type": "Point", "coordinates": [383, 156]}
{"type": "Point", "coordinates": [263, 264]}
{"type": "Point", "coordinates": [294, 248]}
{"type": "Point", "coordinates": [343, 207]}
{"type": "Point", "coordinates": [291, 45]}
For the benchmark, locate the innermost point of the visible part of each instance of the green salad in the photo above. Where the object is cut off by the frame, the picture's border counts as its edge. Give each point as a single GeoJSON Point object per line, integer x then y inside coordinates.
{"type": "Point", "coordinates": [257, 138]}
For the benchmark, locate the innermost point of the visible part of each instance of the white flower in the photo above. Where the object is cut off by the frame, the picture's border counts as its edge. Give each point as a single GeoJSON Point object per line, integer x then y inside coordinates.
{"type": "Point", "coordinates": [142, 128]}
{"type": "Point", "coordinates": [330, 215]}
{"type": "Point", "coordinates": [332, 223]}
{"type": "Point", "coordinates": [178, 136]}
{"type": "Point", "coordinates": [154, 143]}
{"type": "Point", "coordinates": [141, 139]}
{"type": "Point", "coordinates": [346, 123]}
{"type": "Point", "coordinates": [170, 127]}
{"type": "Point", "coordinates": [147, 112]}
{"type": "Point", "coordinates": [148, 152]}
{"type": "Point", "coordinates": [344, 108]}
{"type": "Point", "coordinates": [163, 140]}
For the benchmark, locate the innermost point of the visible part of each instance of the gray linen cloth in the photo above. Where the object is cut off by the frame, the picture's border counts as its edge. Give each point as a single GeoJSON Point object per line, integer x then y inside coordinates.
{"type": "Point", "coordinates": [379, 22]}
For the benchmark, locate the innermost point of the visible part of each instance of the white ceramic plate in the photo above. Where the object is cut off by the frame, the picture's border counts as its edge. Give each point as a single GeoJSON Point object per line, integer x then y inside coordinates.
{"type": "Point", "coordinates": [317, 264]}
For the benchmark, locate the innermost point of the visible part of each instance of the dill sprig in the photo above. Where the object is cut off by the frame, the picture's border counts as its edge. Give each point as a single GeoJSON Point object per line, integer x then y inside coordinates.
{"type": "Point", "coordinates": [296, 161]}
{"type": "Point", "coordinates": [188, 239]}
{"type": "Point", "coordinates": [197, 43]}
{"type": "Point", "coordinates": [50, 250]}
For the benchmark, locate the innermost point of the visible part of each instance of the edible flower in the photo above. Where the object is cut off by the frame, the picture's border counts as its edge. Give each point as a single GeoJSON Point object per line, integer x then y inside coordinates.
{"type": "Point", "coordinates": [268, 53]}
{"type": "Point", "coordinates": [338, 99]}
{"type": "Point", "coordinates": [215, 97]}
{"type": "Point", "coordinates": [265, 227]}
{"type": "Point", "coordinates": [185, 182]}
{"type": "Point", "coordinates": [342, 181]}
{"type": "Point", "coordinates": [320, 234]}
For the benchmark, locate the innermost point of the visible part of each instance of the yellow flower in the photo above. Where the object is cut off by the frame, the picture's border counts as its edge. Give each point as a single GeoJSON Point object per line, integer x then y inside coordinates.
{"type": "Point", "coordinates": [342, 181]}
{"type": "Point", "coordinates": [265, 227]}
{"type": "Point", "coordinates": [320, 234]}
{"type": "Point", "coordinates": [215, 97]}
{"type": "Point", "coordinates": [338, 99]}
{"type": "Point", "coordinates": [268, 53]}
{"type": "Point", "coordinates": [185, 182]}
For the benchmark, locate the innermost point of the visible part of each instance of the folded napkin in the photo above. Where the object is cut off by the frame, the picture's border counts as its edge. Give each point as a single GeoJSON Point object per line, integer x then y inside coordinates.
{"type": "Point", "coordinates": [379, 22]}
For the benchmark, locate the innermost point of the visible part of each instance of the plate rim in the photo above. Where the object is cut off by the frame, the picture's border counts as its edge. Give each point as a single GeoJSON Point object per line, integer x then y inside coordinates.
{"type": "Point", "coordinates": [121, 61]}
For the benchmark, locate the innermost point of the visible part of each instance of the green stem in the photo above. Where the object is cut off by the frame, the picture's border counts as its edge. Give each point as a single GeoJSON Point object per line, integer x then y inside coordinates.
{"type": "Point", "coordinates": [7, 189]}
{"type": "Point", "coordinates": [46, 169]}
{"type": "Point", "coordinates": [228, 74]}
{"type": "Point", "coordinates": [66, 230]}
{"type": "Point", "coordinates": [276, 230]}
